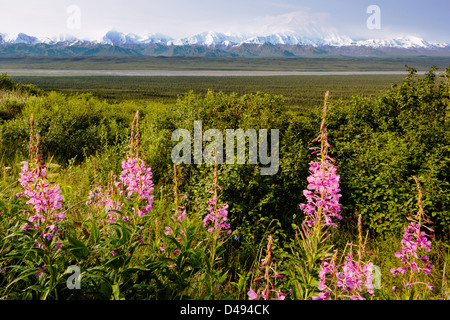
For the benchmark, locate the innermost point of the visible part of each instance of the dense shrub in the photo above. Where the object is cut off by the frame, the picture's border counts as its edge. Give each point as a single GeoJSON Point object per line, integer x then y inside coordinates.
{"type": "Point", "coordinates": [382, 142]}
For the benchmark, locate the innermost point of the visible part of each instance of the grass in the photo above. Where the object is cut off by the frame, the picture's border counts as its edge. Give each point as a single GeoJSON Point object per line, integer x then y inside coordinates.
{"type": "Point", "coordinates": [299, 91]}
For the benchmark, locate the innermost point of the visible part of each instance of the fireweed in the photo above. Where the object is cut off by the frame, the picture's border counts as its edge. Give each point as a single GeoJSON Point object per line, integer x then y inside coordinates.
{"type": "Point", "coordinates": [135, 185]}
{"type": "Point", "coordinates": [267, 278]}
{"type": "Point", "coordinates": [415, 241]}
{"type": "Point", "coordinates": [321, 209]}
{"type": "Point", "coordinates": [216, 224]}
{"type": "Point", "coordinates": [322, 192]}
{"type": "Point", "coordinates": [216, 219]}
{"type": "Point", "coordinates": [105, 199]}
{"type": "Point", "coordinates": [136, 178]}
{"type": "Point", "coordinates": [44, 198]}
{"type": "Point", "coordinates": [349, 280]}
{"type": "Point", "coordinates": [121, 205]}
{"type": "Point", "coordinates": [176, 228]}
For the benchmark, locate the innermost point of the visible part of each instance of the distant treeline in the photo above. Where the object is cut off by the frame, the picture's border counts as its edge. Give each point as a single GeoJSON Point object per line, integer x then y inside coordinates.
{"type": "Point", "coordinates": [222, 63]}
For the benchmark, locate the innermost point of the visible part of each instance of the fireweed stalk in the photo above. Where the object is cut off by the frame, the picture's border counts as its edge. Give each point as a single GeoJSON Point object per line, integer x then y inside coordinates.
{"type": "Point", "coordinates": [135, 183]}
{"type": "Point", "coordinates": [44, 198]}
{"type": "Point", "coordinates": [217, 217]}
{"type": "Point", "coordinates": [268, 285]}
{"type": "Point", "coordinates": [134, 188]}
{"type": "Point", "coordinates": [349, 280]}
{"type": "Point", "coordinates": [136, 177]}
{"type": "Point", "coordinates": [322, 207]}
{"type": "Point", "coordinates": [176, 227]}
{"type": "Point", "coordinates": [414, 241]}
{"type": "Point", "coordinates": [105, 199]}
{"type": "Point", "coordinates": [216, 224]}
{"type": "Point", "coordinates": [322, 192]}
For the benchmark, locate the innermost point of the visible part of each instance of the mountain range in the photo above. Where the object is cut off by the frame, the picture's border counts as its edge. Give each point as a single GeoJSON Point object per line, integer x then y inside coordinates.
{"type": "Point", "coordinates": [216, 44]}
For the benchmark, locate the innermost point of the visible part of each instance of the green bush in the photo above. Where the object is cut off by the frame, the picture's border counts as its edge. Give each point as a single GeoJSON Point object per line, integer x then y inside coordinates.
{"type": "Point", "coordinates": [382, 142]}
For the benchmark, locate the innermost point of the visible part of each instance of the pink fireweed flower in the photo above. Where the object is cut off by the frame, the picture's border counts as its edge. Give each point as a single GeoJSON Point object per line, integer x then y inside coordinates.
{"type": "Point", "coordinates": [280, 295]}
{"type": "Point", "coordinates": [38, 274]}
{"type": "Point", "coordinates": [135, 184]}
{"type": "Point", "coordinates": [414, 243]}
{"type": "Point", "coordinates": [168, 231]}
{"type": "Point", "coordinates": [217, 218]}
{"type": "Point", "coordinates": [136, 179]}
{"type": "Point", "coordinates": [178, 217]}
{"type": "Point", "coordinates": [181, 215]}
{"type": "Point", "coordinates": [351, 279]}
{"type": "Point", "coordinates": [104, 199]}
{"type": "Point", "coordinates": [44, 196]}
{"type": "Point", "coordinates": [37, 189]}
{"type": "Point", "coordinates": [322, 193]}
{"type": "Point", "coordinates": [252, 295]}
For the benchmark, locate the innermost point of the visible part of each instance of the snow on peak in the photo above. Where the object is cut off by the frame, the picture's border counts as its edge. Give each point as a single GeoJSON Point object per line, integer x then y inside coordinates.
{"type": "Point", "coordinates": [18, 38]}
{"type": "Point", "coordinates": [316, 38]}
{"type": "Point", "coordinates": [116, 38]}
{"type": "Point", "coordinates": [24, 38]}
{"type": "Point", "coordinates": [399, 42]}
{"type": "Point", "coordinates": [210, 38]}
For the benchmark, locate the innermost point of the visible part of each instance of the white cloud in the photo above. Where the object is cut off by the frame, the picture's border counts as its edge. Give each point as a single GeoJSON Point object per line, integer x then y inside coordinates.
{"type": "Point", "coordinates": [180, 18]}
{"type": "Point", "coordinates": [305, 23]}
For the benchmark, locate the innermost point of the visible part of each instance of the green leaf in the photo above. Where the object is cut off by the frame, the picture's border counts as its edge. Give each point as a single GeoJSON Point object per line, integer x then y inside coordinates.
{"type": "Point", "coordinates": [106, 289]}
{"type": "Point", "coordinates": [95, 232]}
{"type": "Point", "coordinates": [78, 248]}
{"type": "Point", "coordinates": [377, 277]}
{"type": "Point", "coordinates": [25, 274]}
{"type": "Point", "coordinates": [116, 292]}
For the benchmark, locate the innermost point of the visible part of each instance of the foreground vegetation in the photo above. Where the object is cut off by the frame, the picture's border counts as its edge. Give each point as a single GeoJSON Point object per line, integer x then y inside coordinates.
{"type": "Point", "coordinates": [169, 239]}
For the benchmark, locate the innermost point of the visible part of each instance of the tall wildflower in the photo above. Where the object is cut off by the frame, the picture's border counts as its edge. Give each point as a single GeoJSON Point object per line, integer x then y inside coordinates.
{"type": "Point", "coordinates": [135, 185]}
{"type": "Point", "coordinates": [322, 192]}
{"type": "Point", "coordinates": [321, 210]}
{"type": "Point", "coordinates": [216, 224]}
{"type": "Point", "coordinates": [44, 196]}
{"type": "Point", "coordinates": [104, 199]}
{"type": "Point", "coordinates": [216, 219]}
{"type": "Point", "coordinates": [176, 228]}
{"type": "Point", "coordinates": [349, 280]}
{"type": "Point", "coordinates": [131, 197]}
{"type": "Point", "coordinates": [415, 241]}
{"type": "Point", "coordinates": [136, 177]}
{"type": "Point", "coordinates": [267, 278]}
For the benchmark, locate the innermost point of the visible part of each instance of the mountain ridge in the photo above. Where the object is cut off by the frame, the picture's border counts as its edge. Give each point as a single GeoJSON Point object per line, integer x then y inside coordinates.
{"type": "Point", "coordinates": [283, 44]}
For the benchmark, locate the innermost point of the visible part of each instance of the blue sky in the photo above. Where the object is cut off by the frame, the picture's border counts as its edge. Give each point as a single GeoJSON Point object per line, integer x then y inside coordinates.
{"type": "Point", "coordinates": [179, 18]}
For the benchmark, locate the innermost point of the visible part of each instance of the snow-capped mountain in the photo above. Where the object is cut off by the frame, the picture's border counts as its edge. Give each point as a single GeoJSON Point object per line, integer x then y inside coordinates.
{"type": "Point", "coordinates": [292, 38]}
{"type": "Point", "coordinates": [400, 42]}
{"type": "Point", "coordinates": [18, 38]}
{"type": "Point", "coordinates": [211, 38]}
{"type": "Point", "coordinates": [286, 43]}
{"type": "Point", "coordinates": [117, 38]}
